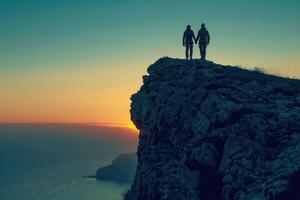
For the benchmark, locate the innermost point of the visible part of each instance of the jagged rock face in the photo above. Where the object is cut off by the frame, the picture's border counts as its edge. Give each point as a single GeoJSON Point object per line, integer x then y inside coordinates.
{"type": "Point", "coordinates": [215, 132]}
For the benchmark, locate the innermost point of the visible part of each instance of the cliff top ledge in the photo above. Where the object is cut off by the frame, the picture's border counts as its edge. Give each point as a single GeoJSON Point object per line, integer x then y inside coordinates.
{"type": "Point", "coordinates": [215, 132]}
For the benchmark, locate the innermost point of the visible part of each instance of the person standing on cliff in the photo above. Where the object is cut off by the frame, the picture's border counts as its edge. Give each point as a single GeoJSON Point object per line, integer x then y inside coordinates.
{"type": "Point", "coordinates": [188, 41]}
{"type": "Point", "coordinates": [204, 38]}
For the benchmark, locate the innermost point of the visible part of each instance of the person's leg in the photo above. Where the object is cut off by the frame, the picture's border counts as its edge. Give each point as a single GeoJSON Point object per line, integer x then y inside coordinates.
{"type": "Point", "coordinates": [186, 51]}
{"type": "Point", "coordinates": [191, 51]}
{"type": "Point", "coordinates": [201, 50]}
{"type": "Point", "coordinates": [204, 51]}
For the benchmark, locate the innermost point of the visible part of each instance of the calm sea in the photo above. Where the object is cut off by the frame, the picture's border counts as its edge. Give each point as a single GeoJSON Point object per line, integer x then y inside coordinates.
{"type": "Point", "coordinates": [47, 162]}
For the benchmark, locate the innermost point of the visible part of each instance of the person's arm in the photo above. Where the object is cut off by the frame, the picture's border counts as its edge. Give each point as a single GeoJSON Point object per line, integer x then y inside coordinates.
{"type": "Point", "coordinates": [183, 39]}
{"type": "Point", "coordinates": [198, 36]}
{"type": "Point", "coordinates": [194, 38]}
{"type": "Point", "coordinates": [208, 37]}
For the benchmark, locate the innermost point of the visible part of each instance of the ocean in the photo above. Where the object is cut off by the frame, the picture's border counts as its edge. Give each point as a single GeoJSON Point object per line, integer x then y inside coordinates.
{"type": "Point", "coordinates": [48, 161]}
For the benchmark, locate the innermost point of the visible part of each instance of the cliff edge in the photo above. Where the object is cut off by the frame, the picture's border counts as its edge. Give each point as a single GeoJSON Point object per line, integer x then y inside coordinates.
{"type": "Point", "coordinates": [213, 132]}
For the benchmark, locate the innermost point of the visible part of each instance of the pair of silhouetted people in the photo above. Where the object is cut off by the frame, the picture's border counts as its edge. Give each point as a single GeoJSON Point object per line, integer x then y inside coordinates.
{"type": "Point", "coordinates": [203, 40]}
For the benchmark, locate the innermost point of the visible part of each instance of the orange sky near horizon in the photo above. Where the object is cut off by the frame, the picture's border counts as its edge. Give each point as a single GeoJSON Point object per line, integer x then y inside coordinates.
{"type": "Point", "coordinates": [93, 94]}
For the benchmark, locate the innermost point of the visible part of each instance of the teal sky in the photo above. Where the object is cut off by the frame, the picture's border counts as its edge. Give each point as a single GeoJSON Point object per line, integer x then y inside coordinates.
{"type": "Point", "coordinates": [39, 33]}
{"type": "Point", "coordinates": [115, 40]}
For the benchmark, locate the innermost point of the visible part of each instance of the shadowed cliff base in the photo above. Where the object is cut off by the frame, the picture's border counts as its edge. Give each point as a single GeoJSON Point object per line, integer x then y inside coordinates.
{"type": "Point", "coordinates": [212, 132]}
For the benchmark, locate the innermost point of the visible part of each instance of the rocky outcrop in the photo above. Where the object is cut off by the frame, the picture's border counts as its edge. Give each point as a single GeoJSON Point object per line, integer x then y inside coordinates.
{"type": "Point", "coordinates": [122, 169]}
{"type": "Point", "coordinates": [214, 132]}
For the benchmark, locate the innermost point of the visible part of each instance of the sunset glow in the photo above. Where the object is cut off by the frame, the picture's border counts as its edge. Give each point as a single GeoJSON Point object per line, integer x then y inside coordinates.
{"type": "Point", "coordinates": [128, 125]}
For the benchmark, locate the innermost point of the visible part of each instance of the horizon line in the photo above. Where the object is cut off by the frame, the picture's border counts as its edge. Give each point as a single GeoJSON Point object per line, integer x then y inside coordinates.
{"type": "Point", "coordinates": [122, 124]}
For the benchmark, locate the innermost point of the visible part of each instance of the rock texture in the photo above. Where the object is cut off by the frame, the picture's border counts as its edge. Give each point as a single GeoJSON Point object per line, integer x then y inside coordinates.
{"type": "Point", "coordinates": [122, 169]}
{"type": "Point", "coordinates": [214, 132]}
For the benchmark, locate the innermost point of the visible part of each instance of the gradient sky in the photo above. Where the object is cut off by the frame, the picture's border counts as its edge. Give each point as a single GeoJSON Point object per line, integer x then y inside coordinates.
{"type": "Point", "coordinates": [80, 60]}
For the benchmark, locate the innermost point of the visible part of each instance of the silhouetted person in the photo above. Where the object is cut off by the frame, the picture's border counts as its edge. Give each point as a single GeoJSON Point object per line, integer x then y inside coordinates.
{"type": "Point", "coordinates": [203, 37]}
{"type": "Point", "coordinates": [188, 41]}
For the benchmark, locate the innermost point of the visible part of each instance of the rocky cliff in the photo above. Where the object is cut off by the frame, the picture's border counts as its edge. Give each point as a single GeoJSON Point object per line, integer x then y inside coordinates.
{"type": "Point", "coordinates": [214, 132]}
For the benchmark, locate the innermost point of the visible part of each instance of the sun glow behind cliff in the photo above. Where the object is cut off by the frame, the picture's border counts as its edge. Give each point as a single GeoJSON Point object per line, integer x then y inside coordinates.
{"type": "Point", "coordinates": [128, 125]}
